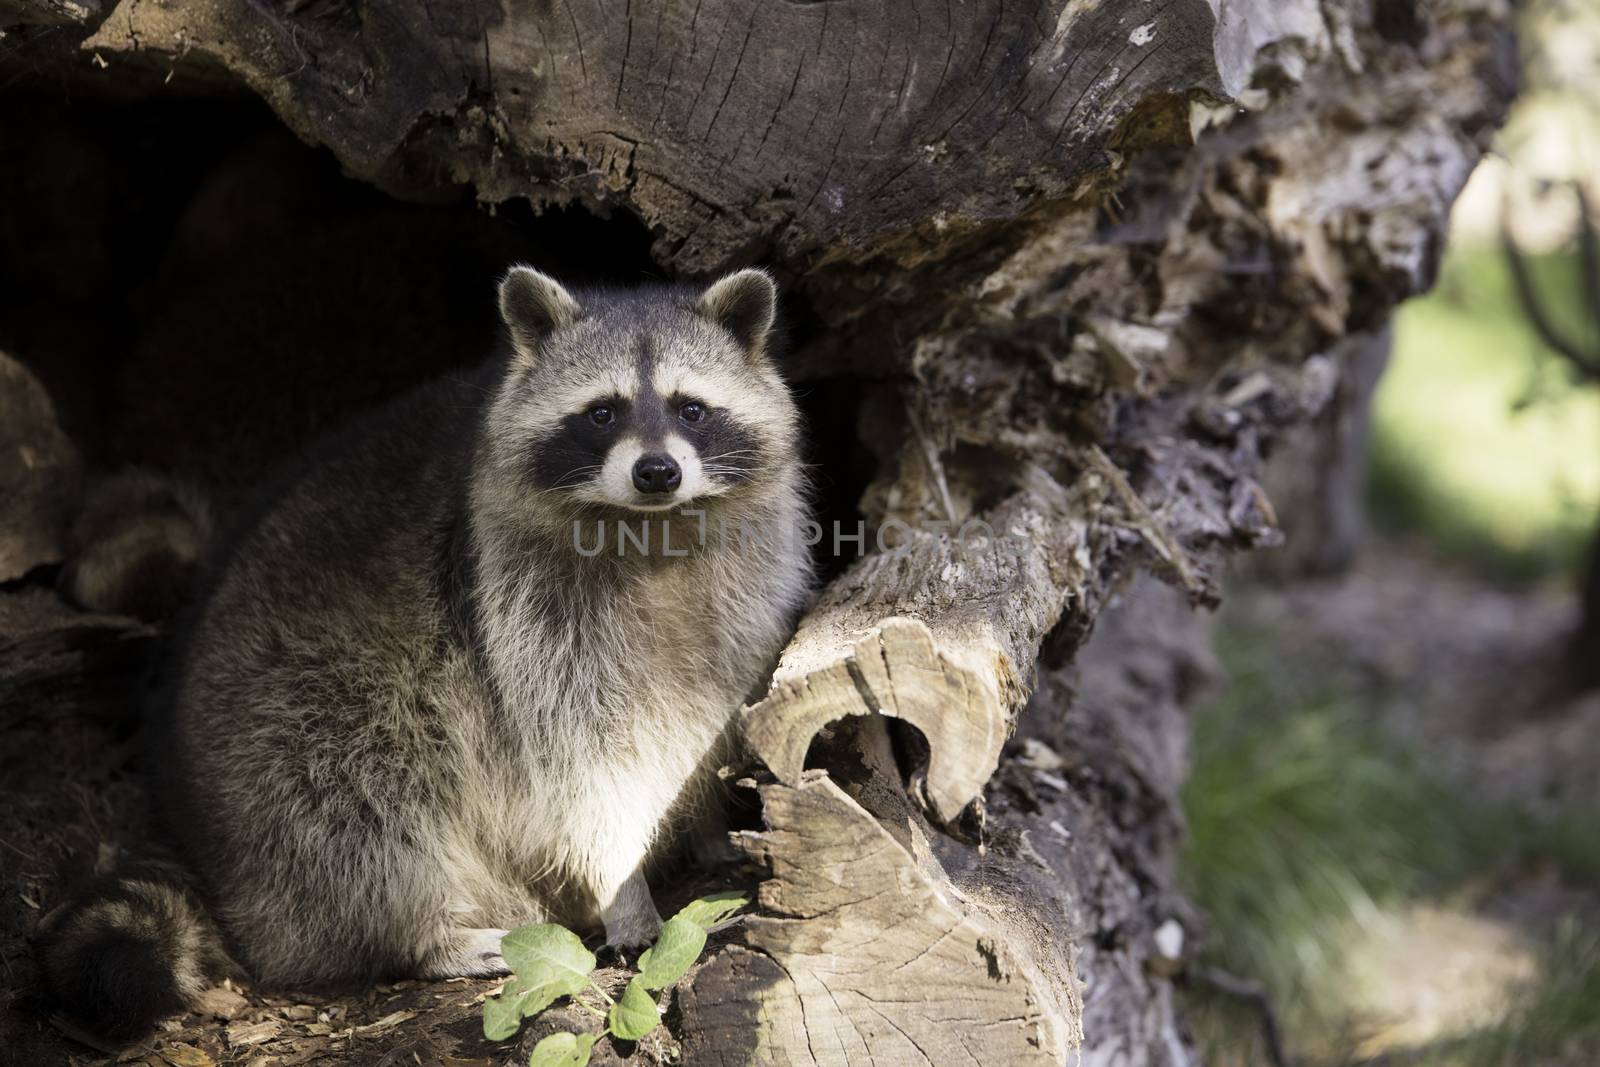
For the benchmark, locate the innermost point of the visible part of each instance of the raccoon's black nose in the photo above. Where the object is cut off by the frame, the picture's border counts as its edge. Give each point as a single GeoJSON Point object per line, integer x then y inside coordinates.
{"type": "Point", "coordinates": [656, 474]}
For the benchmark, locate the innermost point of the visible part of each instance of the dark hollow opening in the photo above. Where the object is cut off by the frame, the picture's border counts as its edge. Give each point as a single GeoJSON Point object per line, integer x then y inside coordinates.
{"type": "Point", "coordinates": [201, 292]}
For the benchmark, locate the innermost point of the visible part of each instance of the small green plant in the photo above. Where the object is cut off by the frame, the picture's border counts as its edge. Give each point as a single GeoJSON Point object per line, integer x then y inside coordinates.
{"type": "Point", "coordinates": [549, 962]}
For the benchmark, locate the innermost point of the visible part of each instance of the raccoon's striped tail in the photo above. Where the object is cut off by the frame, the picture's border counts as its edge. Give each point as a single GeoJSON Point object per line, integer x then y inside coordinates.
{"type": "Point", "coordinates": [137, 545]}
{"type": "Point", "coordinates": [136, 947]}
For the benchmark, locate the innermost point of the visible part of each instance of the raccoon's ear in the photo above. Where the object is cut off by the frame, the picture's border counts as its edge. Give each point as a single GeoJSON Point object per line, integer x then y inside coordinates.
{"type": "Point", "coordinates": [745, 304]}
{"type": "Point", "coordinates": [532, 304]}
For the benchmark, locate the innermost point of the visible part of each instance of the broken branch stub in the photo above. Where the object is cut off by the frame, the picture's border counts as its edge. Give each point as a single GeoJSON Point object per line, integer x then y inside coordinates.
{"type": "Point", "coordinates": [897, 671]}
{"type": "Point", "coordinates": [939, 632]}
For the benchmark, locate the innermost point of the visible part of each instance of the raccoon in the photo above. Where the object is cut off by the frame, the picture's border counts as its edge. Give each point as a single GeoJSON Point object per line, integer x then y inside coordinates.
{"type": "Point", "coordinates": [418, 708]}
{"type": "Point", "coordinates": [136, 546]}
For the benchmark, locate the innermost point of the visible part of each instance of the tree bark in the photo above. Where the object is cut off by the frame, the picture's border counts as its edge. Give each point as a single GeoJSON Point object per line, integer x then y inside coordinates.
{"type": "Point", "coordinates": [1088, 260]}
{"type": "Point", "coordinates": [1317, 477]}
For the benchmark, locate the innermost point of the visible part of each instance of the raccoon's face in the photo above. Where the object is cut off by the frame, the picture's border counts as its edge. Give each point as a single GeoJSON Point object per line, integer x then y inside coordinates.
{"type": "Point", "coordinates": [645, 400]}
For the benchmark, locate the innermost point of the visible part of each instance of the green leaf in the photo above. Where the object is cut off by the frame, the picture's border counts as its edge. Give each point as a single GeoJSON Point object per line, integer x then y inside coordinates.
{"type": "Point", "coordinates": [634, 1015]}
{"type": "Point", "coordinates": [674, 953]}
{"type": "Point", "coordinates": [563, 1050]}
{"type": "Point", "coordinates": [549, 960]}
{"type": "Point", "coordinates": [502, 1015]}
{"type": "Point", "coordinates": [709, 911]}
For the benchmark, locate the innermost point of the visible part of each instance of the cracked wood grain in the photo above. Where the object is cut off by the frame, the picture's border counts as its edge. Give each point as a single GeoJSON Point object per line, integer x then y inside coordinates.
{"type": "Point", "coordinates": [717, 72]}
{"type": "Point", "coordinates": [885, 964]}
{"type": "Point", "coordinates": [895, 671]}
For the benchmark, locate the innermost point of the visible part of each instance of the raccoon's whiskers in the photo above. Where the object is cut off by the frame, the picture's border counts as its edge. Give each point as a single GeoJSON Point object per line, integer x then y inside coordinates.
{"type": "Point", "coordinates": [577, 472]}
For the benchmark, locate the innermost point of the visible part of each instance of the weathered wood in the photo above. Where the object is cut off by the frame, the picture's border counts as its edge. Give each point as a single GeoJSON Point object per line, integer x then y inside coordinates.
{"type": "Point", "coordinates": [1085, 824]}
{"type": "Point", "coordinates": [977, 603]}
{"type": "Point", "coordinates": [885, 941]}
{"type": "Point", "coordinates": [896, 671]}
{"type": "Point", "coordinates": [1317, 477]}
{"type": "Point", "coordinates": [877, 958]}
{"type": "Point", "coordinates": [1173, 481]}
{"type": "Point", "coordinates": [48, 13]}
{"type": "Point", "coordinates": [88, 669]}
{"type": "Point", "coordinates": [730, 126]}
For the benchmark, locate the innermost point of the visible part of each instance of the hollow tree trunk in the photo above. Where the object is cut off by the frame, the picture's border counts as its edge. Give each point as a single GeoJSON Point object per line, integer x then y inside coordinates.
{"type": "Point", "coordinates": [1087, 259]}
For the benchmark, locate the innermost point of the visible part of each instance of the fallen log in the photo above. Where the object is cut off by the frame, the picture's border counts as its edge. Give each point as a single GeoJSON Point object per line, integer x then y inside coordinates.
{"type": "Point", "coordinates": [1086, 261]}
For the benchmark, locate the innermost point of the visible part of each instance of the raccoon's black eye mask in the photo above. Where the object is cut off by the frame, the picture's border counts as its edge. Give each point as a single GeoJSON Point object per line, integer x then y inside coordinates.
{"type": "Point", "coordinates": [576, 450]}
{"type": "Point", "coordinates": [728, 451]}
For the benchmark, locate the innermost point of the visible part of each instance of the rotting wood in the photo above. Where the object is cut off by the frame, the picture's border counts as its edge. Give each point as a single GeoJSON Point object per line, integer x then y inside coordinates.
{"type": "Point", "coordinates": [900, 971]}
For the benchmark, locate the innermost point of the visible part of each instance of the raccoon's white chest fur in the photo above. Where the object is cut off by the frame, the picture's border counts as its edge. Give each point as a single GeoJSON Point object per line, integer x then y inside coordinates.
{"type": "Point", "coordinates": [616, 686]}
{"type": "Point", "coordinates": [579, 666]}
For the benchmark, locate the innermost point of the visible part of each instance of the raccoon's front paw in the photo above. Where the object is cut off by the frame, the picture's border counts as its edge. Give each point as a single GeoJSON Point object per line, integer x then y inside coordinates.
{"type": "Point", "coordinates": [473, 953]}
{"type": "Point", "coordinates": [633, 931]}
{"type": "Point", "coordinates": [631, 918]}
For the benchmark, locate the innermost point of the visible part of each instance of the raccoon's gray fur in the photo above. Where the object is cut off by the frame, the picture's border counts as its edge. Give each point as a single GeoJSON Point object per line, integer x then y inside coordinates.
{"type": "Point", "coordinates": [137, 946]}
{"type": "Point", "coordinates": [137, 545]}
{"type": "Point", "coordinates": [412, 714]}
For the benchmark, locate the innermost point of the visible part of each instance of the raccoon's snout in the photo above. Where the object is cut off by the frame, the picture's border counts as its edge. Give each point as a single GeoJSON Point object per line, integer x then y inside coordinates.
{"type": "Point", "coordinates": [656, 474]}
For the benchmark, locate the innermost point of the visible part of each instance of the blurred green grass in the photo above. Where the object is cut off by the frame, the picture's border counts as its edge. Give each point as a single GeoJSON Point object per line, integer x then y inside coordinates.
{"type": "Point", "coordinates": [1483, 445]}
{"type": "Point", "coordinates": [1302, 823]}
{"type": "Point", "coordinates": [1309, 830]}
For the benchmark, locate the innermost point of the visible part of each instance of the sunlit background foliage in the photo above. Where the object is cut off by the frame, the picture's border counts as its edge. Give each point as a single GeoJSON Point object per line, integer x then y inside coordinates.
{"type": "Point", "coordinates": [1389, 901]}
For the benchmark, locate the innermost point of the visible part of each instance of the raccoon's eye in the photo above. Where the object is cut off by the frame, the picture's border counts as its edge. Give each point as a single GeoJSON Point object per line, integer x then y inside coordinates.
{"type": "Point", "coordinates": [693, 411]}
{"type": "Point", "coordinates": [601, 415]}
